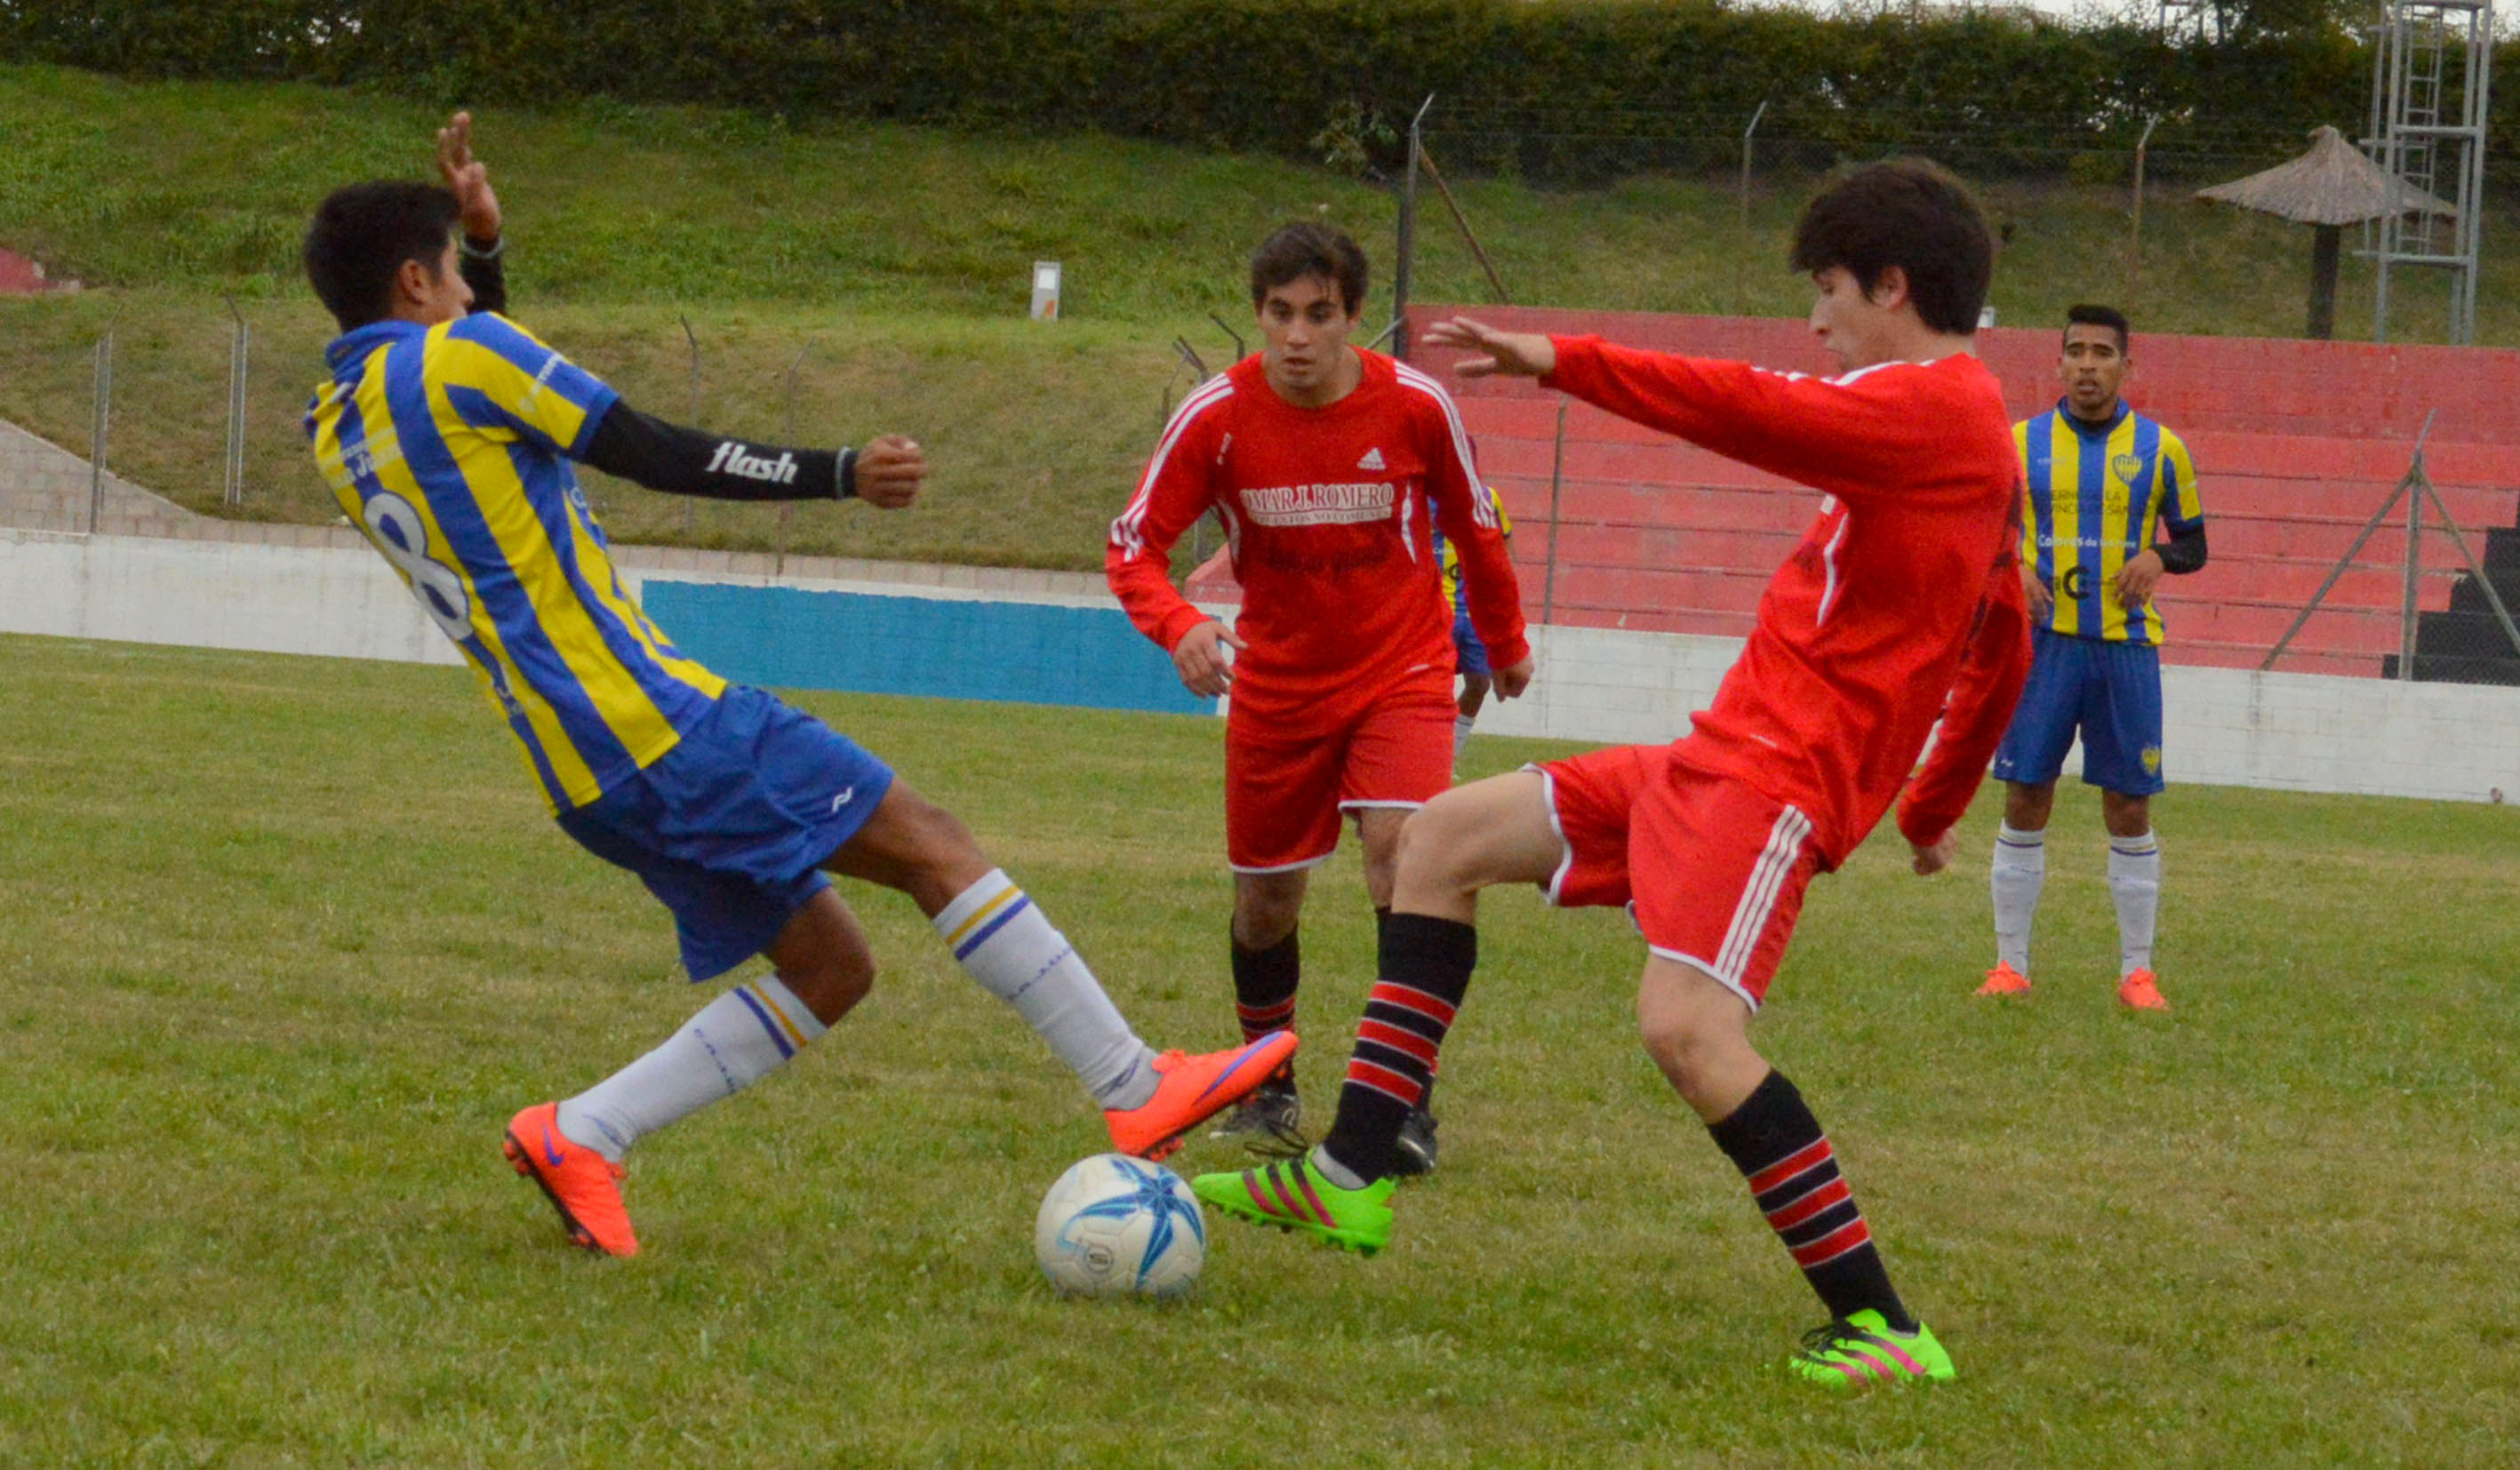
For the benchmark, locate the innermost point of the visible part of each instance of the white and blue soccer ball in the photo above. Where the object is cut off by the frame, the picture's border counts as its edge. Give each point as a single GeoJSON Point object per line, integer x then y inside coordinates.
{"type": "Point", "coordinates": [1117, 1226]}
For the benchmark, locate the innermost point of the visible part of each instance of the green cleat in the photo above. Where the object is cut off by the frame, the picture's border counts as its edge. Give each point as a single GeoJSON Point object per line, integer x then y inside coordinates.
{"type": "Point", "coordinates": [1293, 1195]}
{"type": "Point", "coordinates": [1861, 1349]}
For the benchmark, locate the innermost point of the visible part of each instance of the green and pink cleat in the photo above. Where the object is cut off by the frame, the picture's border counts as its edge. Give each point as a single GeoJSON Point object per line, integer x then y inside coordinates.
{"type": "Point", "coordinates": [1859, 1351]}
{"type": "Point", "coordinates": [1295, 1195]}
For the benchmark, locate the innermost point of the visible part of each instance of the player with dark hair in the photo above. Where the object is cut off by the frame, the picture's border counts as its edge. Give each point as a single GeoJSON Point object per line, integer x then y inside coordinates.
{"type": "Point", "coordinates": [1903, 589]}
{"type": "Point", "coordinates": [1328, 465]}
{"type": "Point", "coordinates": [2098, 477]}
{"type": "Point", "coordinates": [447, 435]}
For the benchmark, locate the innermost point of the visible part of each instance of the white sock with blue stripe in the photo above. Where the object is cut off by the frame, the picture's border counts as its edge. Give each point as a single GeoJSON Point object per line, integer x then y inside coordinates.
{"type": "Point", "coordinates": [736, 1041]}
{"type": "Point", "coordinates": [2020, 870]}
{"type": "Point", "coordinates": [2135, 882]}
{"type": "Point", "coordinates": [1003, 940]}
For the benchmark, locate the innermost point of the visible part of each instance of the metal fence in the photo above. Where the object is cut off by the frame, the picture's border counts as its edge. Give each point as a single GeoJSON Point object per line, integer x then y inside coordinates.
{"type": "Point", "coordinates": [201, 402]}
{"type": "Point", "coordinates": [139, 414]}
{"type": "Point", "coordinates": [2088, 209]}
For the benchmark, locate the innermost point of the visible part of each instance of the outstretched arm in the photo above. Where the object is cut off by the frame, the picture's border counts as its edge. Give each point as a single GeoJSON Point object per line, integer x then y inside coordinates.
{"type": "Point", "coordinates": [682, 461]}
{"type": "Point", "coordinates": [1840, 435]}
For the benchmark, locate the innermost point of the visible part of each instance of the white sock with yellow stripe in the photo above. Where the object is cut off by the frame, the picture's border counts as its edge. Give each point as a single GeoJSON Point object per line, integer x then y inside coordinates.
{"type": "Point", "coordinates": [736, 1041]}
{"type": "Point", "coordinates": [1002, 939]}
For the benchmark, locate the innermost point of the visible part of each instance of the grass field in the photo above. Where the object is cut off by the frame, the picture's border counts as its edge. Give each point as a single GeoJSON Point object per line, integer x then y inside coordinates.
{"type": "Point", "coordinates": [282, 942]}
{"type": "Point", "coordinates": [896, 260]}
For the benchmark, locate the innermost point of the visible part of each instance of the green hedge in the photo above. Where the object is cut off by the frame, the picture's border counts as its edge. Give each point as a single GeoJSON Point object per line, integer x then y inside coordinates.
{"type": "Point", "coordinates": [1298, 78]}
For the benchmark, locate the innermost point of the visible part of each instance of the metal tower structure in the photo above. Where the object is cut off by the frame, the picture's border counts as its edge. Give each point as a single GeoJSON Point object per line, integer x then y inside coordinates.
{"type": "Point", "coordinates": [2427, 131]}
{"type": "Point", "coordinates": [2189, 21]}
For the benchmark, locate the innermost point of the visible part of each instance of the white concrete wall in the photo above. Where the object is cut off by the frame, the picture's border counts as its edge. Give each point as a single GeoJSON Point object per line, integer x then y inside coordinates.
{"type": "Point", "coordinates": [2296, 731]}
{"type": "Point", "coordinates": [2221, 727]}
{"type": "Point", "coordinates": [339, 600]}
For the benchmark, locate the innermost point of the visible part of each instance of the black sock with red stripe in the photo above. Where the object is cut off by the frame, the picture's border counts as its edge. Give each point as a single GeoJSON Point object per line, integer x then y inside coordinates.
{"type": "Point", "coordinates": [1776, 1144]}
{"type": "Point", "coordinates": [1425, 1100]}
{"type": "Point", "coordinates": [1426, 969]}
{"type": "Point", "coordinates": [1264, 985]}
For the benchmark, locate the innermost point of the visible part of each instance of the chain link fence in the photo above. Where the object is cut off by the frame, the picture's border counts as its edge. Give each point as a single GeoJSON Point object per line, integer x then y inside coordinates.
{"type": "Point", "coordinates": [193, 410]}
{"type": "Point", "coordinates": [2089, 207]}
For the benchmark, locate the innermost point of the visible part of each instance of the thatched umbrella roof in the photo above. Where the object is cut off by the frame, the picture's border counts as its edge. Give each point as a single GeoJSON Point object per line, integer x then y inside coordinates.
{"type": "Point", "coordinates": [2332, 183]}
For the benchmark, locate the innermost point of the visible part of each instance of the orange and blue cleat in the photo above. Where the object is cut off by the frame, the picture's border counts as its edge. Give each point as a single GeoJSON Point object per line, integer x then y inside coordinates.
{"type": "Point", "coordinates": [2005, 980]}
{"type": "Point", "coordinates": [2141, 991]}
{"type": "Point", "coordinates": [583, 1185]}
{"type": "Point", "coordinates": [1191, 1090]}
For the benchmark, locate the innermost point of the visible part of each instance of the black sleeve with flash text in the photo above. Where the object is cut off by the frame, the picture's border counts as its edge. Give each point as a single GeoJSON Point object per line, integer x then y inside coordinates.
{"type": "Point", "coordinates": [683, 460]}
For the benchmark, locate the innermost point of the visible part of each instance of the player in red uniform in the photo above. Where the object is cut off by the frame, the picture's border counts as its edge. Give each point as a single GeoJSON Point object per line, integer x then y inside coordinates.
{"type": "Point", "coordinates": [1859, 635]}
{"type": "Point", "coordinates": [1323, 460]}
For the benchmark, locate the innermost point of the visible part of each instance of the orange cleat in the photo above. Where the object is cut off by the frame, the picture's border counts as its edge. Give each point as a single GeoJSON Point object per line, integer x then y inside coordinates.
{"type": "Point", "coordinates": [2005, 980]}
{"type": "Point", "coordinates": [1191, 1090]}
{"type": "Point", "coordinates": [583, 1185]}
{"type": "Point", "coordinates": [2141, 991]}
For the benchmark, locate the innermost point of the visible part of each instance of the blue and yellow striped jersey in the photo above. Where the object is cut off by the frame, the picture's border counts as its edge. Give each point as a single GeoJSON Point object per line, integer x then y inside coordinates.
{"type": "Point", "coordinates": [1448, 563]}
{"type": "Point", "coordinates": [450, 447]}
{"type": "Point", "coordinates": [2093, 493]}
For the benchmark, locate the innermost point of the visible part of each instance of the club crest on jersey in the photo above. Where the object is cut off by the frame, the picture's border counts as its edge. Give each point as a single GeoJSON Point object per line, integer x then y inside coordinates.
{"type": "Point", "coordinates": [2152, 760]}
{"type": "Point", "coordinates": [1373, 459]}
{"type": "Point", "coordinates": [2127, 466]}
{"type": "Point", "coordinates": [732, 459]}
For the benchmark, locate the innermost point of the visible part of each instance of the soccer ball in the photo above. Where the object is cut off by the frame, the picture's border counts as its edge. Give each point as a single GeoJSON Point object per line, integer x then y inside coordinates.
{"type": "Point", "coordinates": [1116, 1227]}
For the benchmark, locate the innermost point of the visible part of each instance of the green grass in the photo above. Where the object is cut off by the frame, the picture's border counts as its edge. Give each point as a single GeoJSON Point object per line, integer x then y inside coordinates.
{"type": "Point", "coordinates": [284, 941]}
{"type": "Point", "coordinates": [897, 260]}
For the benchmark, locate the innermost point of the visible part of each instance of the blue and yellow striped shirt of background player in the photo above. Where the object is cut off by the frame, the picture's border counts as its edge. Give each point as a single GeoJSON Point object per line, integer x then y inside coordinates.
{"type": "Point", "coordinates": [1447, 562]}
{"type": "Point", "coordinates": [450, 447]}
{"type": "Point", "coordinates": [2092, 492]}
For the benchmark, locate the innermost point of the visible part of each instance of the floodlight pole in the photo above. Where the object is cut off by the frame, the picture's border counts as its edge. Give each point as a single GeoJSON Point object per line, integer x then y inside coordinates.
{"type": "Point", "coordinates": [1408, 241]}
{"type": "Point", "coordinates": [694, 338]}
{"type": "Point", "coordinates": [234, 493]}
{"type": "Point", "coordinates": [99, 422]}
{"type": "Point", "coordinates": [2134, 231]}
{"type": "Point", "coordinates": [788, 431]}
{"type": "Point", "coordinates": [1741, 256]}
{"type": "Point", "coordinates": [2416, 481]}
{"type": "Point", "coordinates": [2338, 570]}
{"type": "Point", "coordinates": [2418, 488]}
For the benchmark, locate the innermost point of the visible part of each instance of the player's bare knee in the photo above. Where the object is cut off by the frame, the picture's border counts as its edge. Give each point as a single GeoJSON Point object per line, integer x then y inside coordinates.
{"type": "Point", "coordinates": [830, 985]}
{"type": "Point", "coordinates": [1266, 908]}
{"type": "Point", "coordinates": [2126, 816]}
{"type": "Point", "coordinates": [1435, 846]}
{"type": "Point", "coordinates": [937, 854]}
{"type": "Point", "coordinates": [2026, 807]}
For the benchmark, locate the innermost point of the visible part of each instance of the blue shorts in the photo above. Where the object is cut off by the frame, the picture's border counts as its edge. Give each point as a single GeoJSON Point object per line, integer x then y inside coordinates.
{"type": "Point", "coordinates": [1467, 651]}
{"type": "Point", "coordinates": [731, 828]}
{"type": "Point", "coordinates": [2111, 692]}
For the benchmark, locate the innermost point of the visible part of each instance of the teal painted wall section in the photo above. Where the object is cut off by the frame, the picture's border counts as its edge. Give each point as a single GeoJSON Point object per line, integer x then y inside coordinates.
{"type": "Point", "coordinates": [1023, 653]}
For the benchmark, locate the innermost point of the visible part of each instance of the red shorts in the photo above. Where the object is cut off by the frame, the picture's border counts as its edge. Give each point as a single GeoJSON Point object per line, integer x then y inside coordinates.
{"type": "Point", "coordinates": [1285, 787]}
{"type": "Point", "coordinates": [1715, 869]}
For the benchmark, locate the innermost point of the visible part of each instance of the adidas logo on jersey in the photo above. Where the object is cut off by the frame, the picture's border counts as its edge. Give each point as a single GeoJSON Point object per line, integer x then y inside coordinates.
{"type": "Point", "coordinates": [1373, 459]}
{"type": "Point", "coordinates": [732, 459]}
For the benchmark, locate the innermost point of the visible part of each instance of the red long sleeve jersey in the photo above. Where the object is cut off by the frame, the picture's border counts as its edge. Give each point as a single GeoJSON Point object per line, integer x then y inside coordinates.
{"type": "Point", "coordinates": [1860, 633]}
{"type": "Point", "coordinates": [1325, 516]}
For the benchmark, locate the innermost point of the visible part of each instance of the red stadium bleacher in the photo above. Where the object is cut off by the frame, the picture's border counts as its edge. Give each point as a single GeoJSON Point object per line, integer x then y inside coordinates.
{"type": "Point", "coordinates": [2296, 443]}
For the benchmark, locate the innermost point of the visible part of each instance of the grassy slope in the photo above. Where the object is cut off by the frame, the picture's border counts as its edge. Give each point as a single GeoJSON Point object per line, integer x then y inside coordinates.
{"type": "Point", "coordinates": [897, 259]}
{"type": "Point", "coordinates": [272, 974]}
